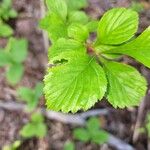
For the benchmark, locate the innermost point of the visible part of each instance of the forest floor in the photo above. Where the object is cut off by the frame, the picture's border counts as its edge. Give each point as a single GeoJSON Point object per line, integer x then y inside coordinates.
{"type": "Point", "coordinates": [120, 123]}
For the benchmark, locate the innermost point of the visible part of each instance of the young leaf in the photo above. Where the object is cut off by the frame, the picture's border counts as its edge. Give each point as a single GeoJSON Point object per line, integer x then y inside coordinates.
{"type": "Point", "coordinates": [81, 134]}
{"type": "Point", "coordinates": [78, 32]}
{"type": "Point", "coordinates": [37, 118]}
{"type": "Point", "coordinates": [83, 83]}
{"type": "Point", "coordinates": [25, 94]}
{"type": "Point", "coordinates": [93, 124]}
{"type": "Point", "coordinates": [92, 25]}
{"type": "Point", "coordinates": [78, 17]}
{"type": "Point", "coordinates": [5, 30]}
{"type": "Point", "coordinates": [69, 146]}
{"type": "Point", "coordinates": [55, 27]}
{"type": "Point", "coordinates": [118, 25]}
{"type": "Point", "coordinates": [138, 48]}
{"type": "Point", "coordinates": [99, 137]}
{"type": "Point", "coordinates": [18, 49]}
{"type": "Point", "coordinates": [65, 45]}
{"type": "Point", "coordinates": [14, 73]}
{"type": "Point", "coordinates": [31, 96]}
{"type": "Point", "coordinates": [35, 128]}
{"type": "Point", "coordinates": [76, 4]}
{"type": "Point", "coordinates": [4, 58]}
{"type": "Point", "coordinates": [58, 7]}
{"type": "Point", "coordinates": [126, 87]}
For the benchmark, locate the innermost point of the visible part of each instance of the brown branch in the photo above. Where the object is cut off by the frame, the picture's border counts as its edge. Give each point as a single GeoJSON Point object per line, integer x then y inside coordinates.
{"type": "Point", "coordinates": [77, 119]}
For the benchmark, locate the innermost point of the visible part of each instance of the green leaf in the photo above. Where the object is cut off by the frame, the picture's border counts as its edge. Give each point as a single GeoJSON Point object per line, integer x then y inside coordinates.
{"type": "Point", "coordinates": [137, 6]}
{"type": "Point", "coordinates": [35, 128]}
{"type": "Point", "coordinates": [5, 30]}
{"type": "Point", "coordinates": [14, 73]}
{"type": "Point", "coordinates": [75, 85]}
{"type": "Point", "coordinates": [76, 4]}
{"type": "Point", "coordinates": [58, 7]}
{"type": "Point", "coordinates": [138, 48]}
{"type": "Point", "coordinates": [118, 25]}
{"type": "Point", "coordinates": [81, 134]}
{"type": "Point", "coordinates": [18, 49]}
{"type": "Point", "coordinates": [78, 17]}
{"type": "Point", "coordinates": [69, 146]}
{"type": "Point", "coordinates": [92, 25]}
{"type": "Point", "coordinates": [4, 58]}
{"type": "Point", "coordinates": [93, 124]}
{"type": "Point", "coordinates": [55, 27]}
{"type": "Point", "coordinates": [31, 96]}
{"type": "Point", "coordinates": [99, 137]}
{"type": "Point", "coordinates": [12, 13]}
{"type": "Point", "coordinates": [37, 118]}
{"type": "Point", "coordinates": [78, 32]}
{"type": "Point", "coordinates": [25, 94]}
{"type": "Point", "coordinates": [126, 87]}
{"type": "Point", "coordinates": [65, 45]}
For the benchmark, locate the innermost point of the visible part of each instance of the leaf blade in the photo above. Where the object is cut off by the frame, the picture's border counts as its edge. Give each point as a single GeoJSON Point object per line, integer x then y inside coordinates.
{"type": "Point", "coordinates": [83, 83]}
{"type": "Point", "coordinates": [117, 26]}
{"type": "Point", "coordinates": [126, 86]}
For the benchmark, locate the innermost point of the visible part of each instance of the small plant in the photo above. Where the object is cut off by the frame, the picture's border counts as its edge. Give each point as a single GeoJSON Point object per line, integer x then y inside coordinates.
{"type": "Point", "coordinates": [12, 56]}
{"type": "Point", "coordinates": [92, 132]}
{"type": "Point", "coordinates": [13, 146]}
{"type": "Point", "coordinates": [137, 6]}
{"type": "Point", "coordinates": [5, 30]}
{"type": "Point", "coordinates": [6, 12]}
{"type": "Point", "coordinates": [69, 146]}
{"type": "Point", "coordinates": [84, 71]}
{"type": "Point", "coordinates": [31, 97]}
{"type": "Point", "coordinates": [35, 128]}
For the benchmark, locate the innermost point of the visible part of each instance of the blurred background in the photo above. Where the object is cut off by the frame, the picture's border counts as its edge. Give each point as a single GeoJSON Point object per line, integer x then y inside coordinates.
{"type": "Point", "coordinates": [25, 124]}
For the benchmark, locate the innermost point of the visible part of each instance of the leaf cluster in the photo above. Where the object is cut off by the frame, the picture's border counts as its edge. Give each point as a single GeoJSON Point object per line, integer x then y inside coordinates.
{"type": "Point", "coordinates": [85, 71]}
{"type": "Point", "coordinates": [31, 96]}
{"type": "Point", "coordinates": [92, 132]}
{"type": "Point", "coordinates": [12, 56]}
{"type": "Point", "coordinates": [69, 146]}
{"type": "Point", "coordinates": [35, 128]}
{"type": "Point", "coordinates": [6, 12]}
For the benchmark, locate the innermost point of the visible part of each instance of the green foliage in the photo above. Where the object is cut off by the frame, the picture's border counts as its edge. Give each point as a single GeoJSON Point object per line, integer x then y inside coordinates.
{"type": "Point", "coordinates": [76, 4]}
{"type": "Point", "coordinates": [137, 6]}
{"type": "Point", "coordinates": [6, 12]}
{"type": "Point", "coordinates": [137, 48]}
{"type": "Point", "coordinates": [118, 25]}
{"type": "Point", "coordinates": [59, 17]}
{"type": "Point", "coordinates": [69, 146]}
{"type": "Point", "coordinates": [31, 97]}
{"type": "Point", "coordinates": [84, 72]}
{"type": "Point", "coordinates": [122, 77]}
{"type": "Point", "coordinates": [35, 128]}
{"type": "Point", "coordinates": [13, 146]}
{"type": "Point", "coordinates": [81, 83]}
{"type": "Point", "coordinates": [92, 132]}
{"type": "Point", "coordinates": [12, 56]}
{"type": "Point", "coordinates": [5, 30]}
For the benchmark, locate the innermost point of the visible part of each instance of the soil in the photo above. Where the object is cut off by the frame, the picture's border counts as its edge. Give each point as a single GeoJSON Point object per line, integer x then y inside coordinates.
{"type": "Point", "coordinates": [120, 123]}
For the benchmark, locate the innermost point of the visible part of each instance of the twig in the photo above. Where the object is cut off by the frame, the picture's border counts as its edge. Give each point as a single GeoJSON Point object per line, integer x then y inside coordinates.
{"type": "Point", "coordinates": [139, 120]}
{"type": "Point", "coordinates": [78, 119]}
